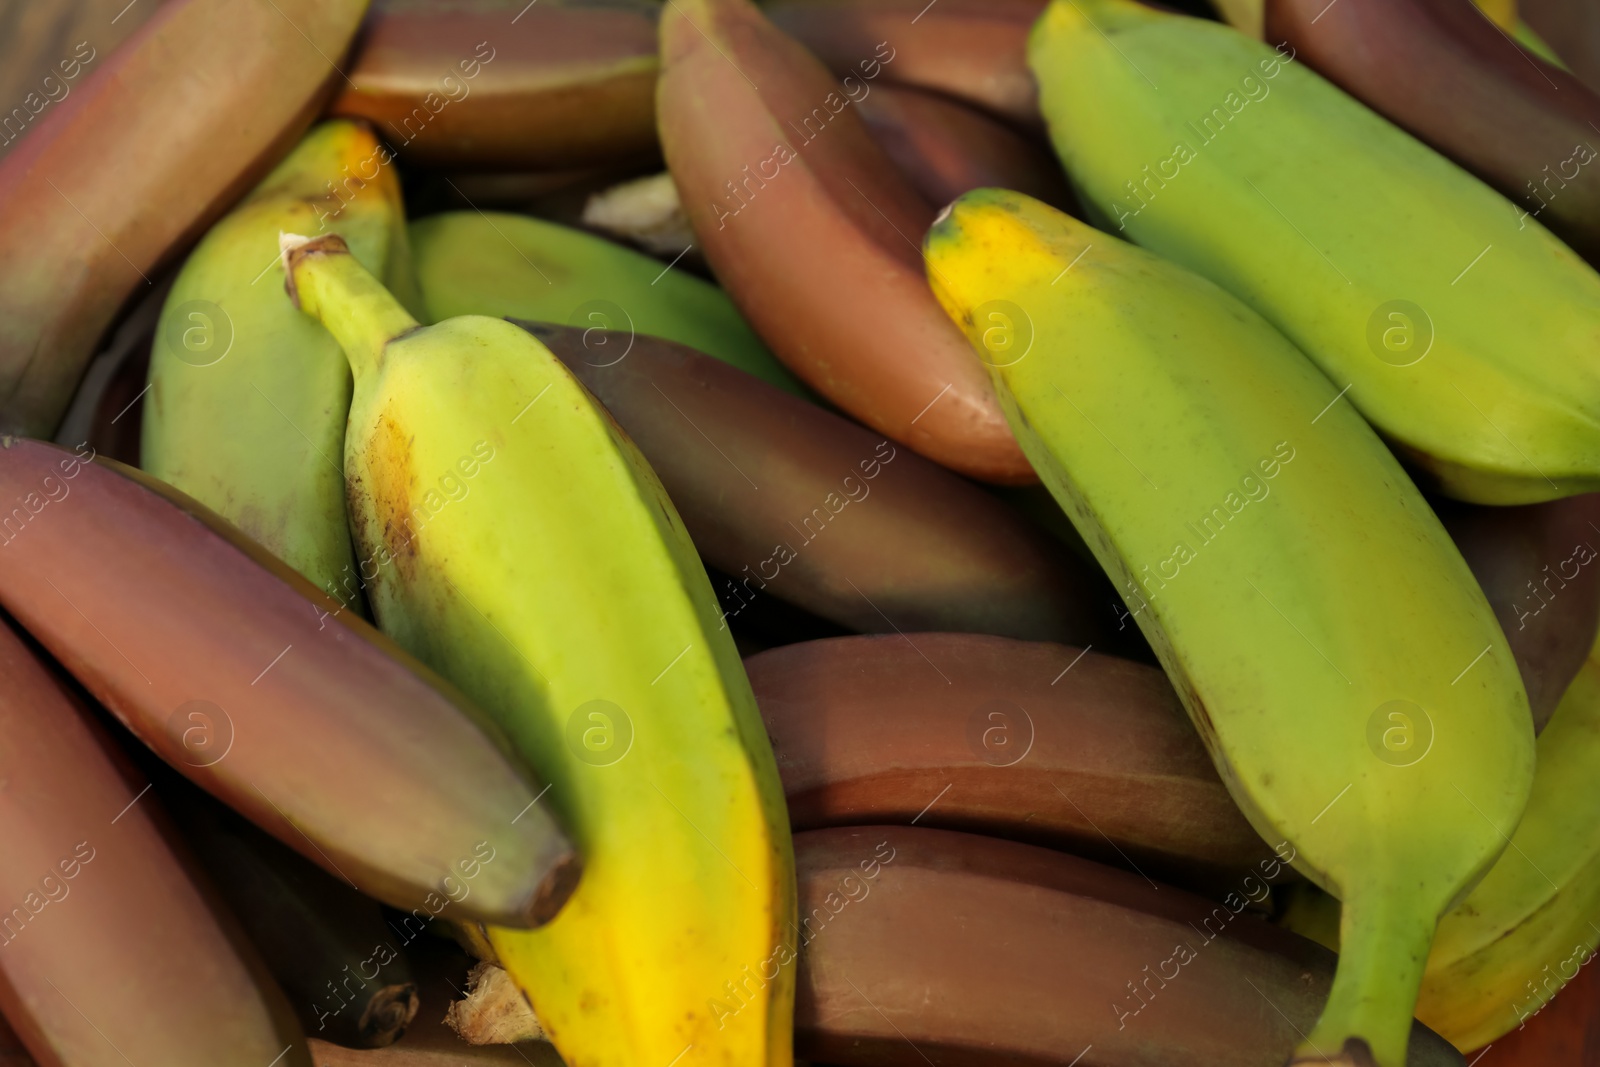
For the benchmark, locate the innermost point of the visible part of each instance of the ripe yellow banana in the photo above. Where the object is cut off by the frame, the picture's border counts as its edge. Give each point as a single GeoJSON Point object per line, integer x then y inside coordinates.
{"type": "Point", "coordinates": [1461, 328]}
{"type": "Point", "coordinates": [526, 551]}
{"type": "Point", "coordinates": [1534, 920]}
{"type": "Point", "coordinates": [504, 265]}
{"type": "Point", "coordinates": [1324, 634]}
{"type": "Point", "coordinates": [248, 397]}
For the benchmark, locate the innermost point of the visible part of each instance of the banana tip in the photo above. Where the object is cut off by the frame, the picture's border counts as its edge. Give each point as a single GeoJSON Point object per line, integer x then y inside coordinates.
{"type": "Point", "coordinates": [557, 885]}
{"type": "Point", "coordinates": [1355, 1053]}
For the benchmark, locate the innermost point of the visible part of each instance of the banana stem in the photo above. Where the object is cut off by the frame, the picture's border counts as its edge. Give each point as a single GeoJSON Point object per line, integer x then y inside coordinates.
{"type": "Point", "coordinates": [328, 283]}
{"type": "Point", "coordinates": [1383, 951]}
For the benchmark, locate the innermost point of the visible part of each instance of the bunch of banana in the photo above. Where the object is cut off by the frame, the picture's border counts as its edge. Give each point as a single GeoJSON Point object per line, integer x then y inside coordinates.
{"type": "Point", "coordinates": [1325, 636]}
{"type": "Point", "coordinates": [560, 84]}
{"type": "Point", "coordinates": [1523, 125]}
{"type": "Point", "coordinates": [1459, 329]}
{"type": "Point", "coordinates": [501, 265]}
{"type": "Point", "coordinates": [1529, 926]}
{"type": "Point", "coordinates": [808, 225]}
{"type": "Point", "coordinates": [110, 953]}
{"type": "Point", "coordinates": [255, 686]}
{"type": "Point", "coordinates": [1036, 742]}
{"type": "Point", "coordinates": [973, 50]}
{"type": "Point", "coordinates": [527, 551]}
{"type": "Point", "coordinates": [248, 397]}
{"type": "Point", "coordinates": [78, 235]}
{"type": "Point", "coordinates": [788, 499]}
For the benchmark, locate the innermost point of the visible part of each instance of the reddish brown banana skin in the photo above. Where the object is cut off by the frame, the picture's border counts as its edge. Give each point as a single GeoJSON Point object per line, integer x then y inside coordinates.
{"type": "Point", "coordinates": [1443, 71]}
{"type": "Point", "coordinates": [1032, 741]}
{"type": "Point", "coordinates": [110, 184]}
{"type": "Point", "coordinates": [947, 148]}
{"type": "Point", "coordinates": [973, 50]}
{"type": "Point", "coordinates": [912, 547]}
{"type": "Point", "coordinates": [244, 678]}
{"type": "Point", "coordinates": [565, 85]}
{"type": "Point", "coordinates": [119, 956]}
{"type": "Point", "coordinates": [821, 257]}
{"type": "Point", "coordinates": [1539, 566]}
{"type": "Point", "coordinates": [929, 946]}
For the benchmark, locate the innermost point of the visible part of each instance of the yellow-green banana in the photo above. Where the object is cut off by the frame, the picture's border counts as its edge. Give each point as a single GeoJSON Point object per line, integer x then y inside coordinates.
{"type": "Point", "coordinates": [492, 263]}
{"type": "Point", "coordinates": [1326, 637]}
{"type": "Point", "coordinates": [1461, 328]}
{"type": "Point", "coordinates": [1534, 920]}
{"type": "Point", "coordinates": [248, 397]}
{"type": "Point", "coordinates": [525, 550]}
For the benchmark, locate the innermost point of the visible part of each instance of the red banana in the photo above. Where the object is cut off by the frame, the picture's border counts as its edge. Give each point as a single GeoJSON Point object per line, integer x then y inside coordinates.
{"type": "Point", "coordinates": [812, 230]}
{"type": "Point", "coordinates": [250, 682]}
{"type": "Point", "coordinates": [109, 952]}
{"type": "Point", "coordinates": [154, 145]}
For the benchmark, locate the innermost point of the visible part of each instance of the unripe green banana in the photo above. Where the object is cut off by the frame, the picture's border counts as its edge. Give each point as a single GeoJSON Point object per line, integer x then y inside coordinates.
{"type": "Point", "coordinates": [513, 266]}
{"type": "Point", "coordinates": [248, 397]}
{"type": "Point", "coordinates": [525, 549]}
{"type": "Point", "coordinates": [1327, 639]}
{"type": "Point", "coordinates": [1524, 932]}
{"type": "Point", "coordinates": [1461, 328]}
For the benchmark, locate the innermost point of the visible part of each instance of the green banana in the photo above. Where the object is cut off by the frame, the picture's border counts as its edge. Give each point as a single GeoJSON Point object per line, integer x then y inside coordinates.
{"type": "Point", "coordinates": [526, 550]}
{"type": "Point", "coordinates": [1523, 933]}
{"type": "Point", "coordinates": [1326, 637]}
{"type": "Point", "coordinates": [513, 266]}
{"type": "Point", "coordinates": [248, 397]}
{"type": "Point", "coordinates": [1462, 329]}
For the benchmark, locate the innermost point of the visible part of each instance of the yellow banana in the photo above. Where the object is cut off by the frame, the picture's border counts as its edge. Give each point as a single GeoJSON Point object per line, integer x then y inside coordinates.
{"type": "Point", "coordinates": [493, 263]}
{"type": "Point", "coordinates": [524, 549]}
{"type": "Point", "coordinates": [1534, 920]}
{"type": "Point", "coordinates": [1326, 637]}
{"type": "Point", "coordinates": [1462, 329]}
{"type": "Point", "coordinates": [248, 397]}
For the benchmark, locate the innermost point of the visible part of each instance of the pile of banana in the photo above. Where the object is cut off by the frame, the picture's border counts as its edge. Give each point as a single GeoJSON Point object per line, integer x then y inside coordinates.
{"type": "Point", "coordinates": [853, 532]}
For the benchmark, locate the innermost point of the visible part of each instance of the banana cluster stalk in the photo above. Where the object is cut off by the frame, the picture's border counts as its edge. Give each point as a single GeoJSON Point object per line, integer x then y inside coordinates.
{"type": "Point", "coordinates": [1326, 638]}
{"type": "Point", "coordinates": [525, 550]}
{"type": "Point", "coordinates": [1461, 328]}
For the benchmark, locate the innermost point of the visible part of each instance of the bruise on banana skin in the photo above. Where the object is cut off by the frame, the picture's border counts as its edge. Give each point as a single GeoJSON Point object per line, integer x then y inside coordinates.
{"type": "Point", "coordinates": [388, 462]}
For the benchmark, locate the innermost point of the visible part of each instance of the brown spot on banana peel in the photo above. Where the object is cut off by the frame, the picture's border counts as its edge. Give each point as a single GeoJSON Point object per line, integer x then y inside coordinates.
{"type": "Point", "coordinates": [821, 512]}
{"type": "Point", "coordinates": [185, 608]}
{"type": "Point", "coordinates": [821, 256]}
{"type": "Point", "coordinates": [1446, 73]}
{"type": "Point", "coordinates": [106, 188]}
{"type": "Point", "coordinates": [386, 497]}
{"type": "Point", "coordinates": [562, 85]}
